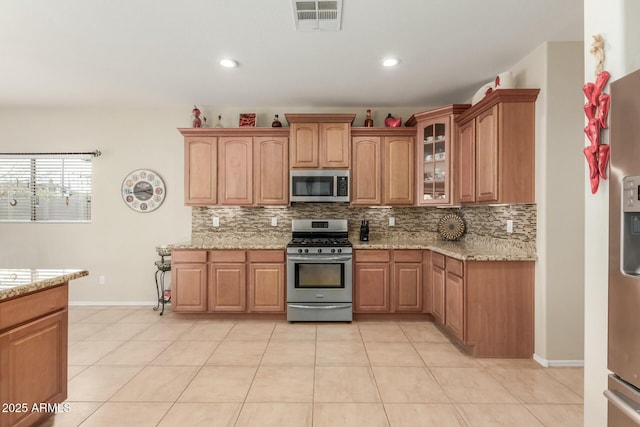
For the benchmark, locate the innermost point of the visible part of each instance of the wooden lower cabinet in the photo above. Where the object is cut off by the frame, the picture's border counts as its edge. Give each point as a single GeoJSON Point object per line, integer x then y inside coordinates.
{"type": "Point", "coordinates": [227, 287]}
{"type": "Point", "coordinates": [388, 281]}
{"type": "Point", "coordinates": [33, 357]}
{"type": "Point", "coordinates": [487, 306]}
{"type": "Point", "coordinates": [267, 287]}
{"type": "Point", "coordinates": [228, 281]}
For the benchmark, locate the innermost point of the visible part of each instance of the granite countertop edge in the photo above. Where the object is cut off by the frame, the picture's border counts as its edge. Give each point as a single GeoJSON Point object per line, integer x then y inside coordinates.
{"type": "Point", "coordinates": [38, 285]}
{"type": "Point", "coordinates": [458, 250]}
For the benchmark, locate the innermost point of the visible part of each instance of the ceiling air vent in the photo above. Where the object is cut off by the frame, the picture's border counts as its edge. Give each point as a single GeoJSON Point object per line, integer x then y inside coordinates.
{"type": "Point", "coordinates": [317, 15]}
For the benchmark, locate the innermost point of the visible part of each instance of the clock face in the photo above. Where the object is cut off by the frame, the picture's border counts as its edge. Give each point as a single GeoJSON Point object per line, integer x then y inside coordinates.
{"type": "Point", "coordinates": [143, 190]}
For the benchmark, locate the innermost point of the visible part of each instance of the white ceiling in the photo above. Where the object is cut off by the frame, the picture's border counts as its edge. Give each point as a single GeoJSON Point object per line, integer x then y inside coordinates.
{"type": "Point", "coordinates": [156, 53]}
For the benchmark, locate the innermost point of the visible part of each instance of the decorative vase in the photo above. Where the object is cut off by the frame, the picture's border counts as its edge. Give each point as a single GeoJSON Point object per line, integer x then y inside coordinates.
{"type": "Point", "coordinates": [392, 122]}
{"type": "Point", "coordinates": [368, 122]}
{"type": "Point", "coordinates": [276, 123]}
{"type": "Point", "coordinates": [219, 124]}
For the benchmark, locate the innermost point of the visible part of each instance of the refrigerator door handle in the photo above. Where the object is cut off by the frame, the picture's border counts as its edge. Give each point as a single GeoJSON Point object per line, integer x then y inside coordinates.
{"type": "Point", "coordinates": [627, 406]}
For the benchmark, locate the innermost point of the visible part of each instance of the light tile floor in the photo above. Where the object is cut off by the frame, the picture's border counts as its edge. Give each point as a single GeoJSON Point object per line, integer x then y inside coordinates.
{"type": "Point", "coordinates": [129, 366]}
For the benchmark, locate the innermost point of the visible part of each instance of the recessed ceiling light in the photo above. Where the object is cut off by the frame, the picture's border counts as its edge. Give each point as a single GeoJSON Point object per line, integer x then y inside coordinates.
{"type": "Point", "coordinates": [390, 62]}
{"type": "Point", "coordinates": [228, 63]}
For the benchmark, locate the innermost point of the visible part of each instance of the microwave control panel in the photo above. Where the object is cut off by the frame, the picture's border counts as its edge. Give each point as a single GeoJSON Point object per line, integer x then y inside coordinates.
{"type": "Point", "coordinates": [343, 186]}
{"type": "Point", "coordinates": [631, 194]}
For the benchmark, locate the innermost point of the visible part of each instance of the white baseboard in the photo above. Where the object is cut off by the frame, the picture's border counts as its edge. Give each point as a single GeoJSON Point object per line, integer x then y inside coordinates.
{"type": "Point", "coordinates": [557, 363]}
{"type": "Point", "coordinates": [111, 303]}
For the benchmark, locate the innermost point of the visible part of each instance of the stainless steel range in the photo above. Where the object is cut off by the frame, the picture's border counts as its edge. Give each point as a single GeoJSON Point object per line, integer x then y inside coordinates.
{"type": "Point", "coordinates": [319, 272]}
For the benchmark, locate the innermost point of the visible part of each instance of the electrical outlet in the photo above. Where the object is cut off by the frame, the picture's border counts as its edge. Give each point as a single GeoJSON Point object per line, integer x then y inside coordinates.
{"type": "Point", "coordinates": [392, 221]}
{"type": "Point", "coordinates": [102, 280]}
{"type": "Point", "coordinates": [216, 221]}
{"type": "Point", "coordinates": [274, 221]}
{"type": "Point", "coordinates": [509, 226]}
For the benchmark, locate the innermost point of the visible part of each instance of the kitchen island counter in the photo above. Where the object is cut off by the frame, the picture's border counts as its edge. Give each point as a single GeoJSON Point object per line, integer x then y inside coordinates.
{"type": "Point", "coordinates": [17, 282]}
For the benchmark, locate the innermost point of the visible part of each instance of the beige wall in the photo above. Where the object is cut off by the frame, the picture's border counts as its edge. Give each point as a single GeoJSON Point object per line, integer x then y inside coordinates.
{"type": "Point", "coordinates": [556, 69]}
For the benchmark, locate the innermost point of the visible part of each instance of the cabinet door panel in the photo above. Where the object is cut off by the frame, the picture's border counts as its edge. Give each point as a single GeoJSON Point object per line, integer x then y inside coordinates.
{"type": "Point", "coordinates": [467, 165]}
{"type": "Point", "coordinates": [455, 305]}
{"type": "Point", "coordinates": [189, 283]}
{"type": "Point", "coordinates": [334, 145]}
{"type": "Point", "coordinates": [438, 284]}
{"type": "Point", "coordinates": [487, 156]}
{"type": "Point", "coordinates": [399, 170]}
{"type": "Point", "coordinates": [235, 169]}
{"type": "Point", "coordinates": [407, 285]}
{"type": "Point", "coordinates": [271, 164]}
{"type": "Point", "coordinates": [266, 287]}
{"type": "Point", "coordinates": [200, 171]}
{"type": "Point", "coordinates": [304, 145]}
{"type": "Point", "coordinates": [27, 376]}
{"type": "Point", "coordinates": [227, 287]}
{"type": "Point", "coordinates": [366, 180]}
{"type": "Point", "coordinates": [371, 288]}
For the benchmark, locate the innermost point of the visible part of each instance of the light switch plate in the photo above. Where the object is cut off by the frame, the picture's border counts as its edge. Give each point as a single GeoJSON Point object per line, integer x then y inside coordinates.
{"type": "Point", "coordinates": [392, 221]}
{"type": "Point", "coordinates": [216, 221]}
{"type": "Point", "coordinates": [274, 221]}
{"type": "Point", "coordinates": [509, 226]}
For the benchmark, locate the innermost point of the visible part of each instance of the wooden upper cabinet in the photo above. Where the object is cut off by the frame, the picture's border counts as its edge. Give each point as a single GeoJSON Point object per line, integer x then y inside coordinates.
{"type": "Point", "coordinates": [501, 129]}
{"type": "Point", "coordinates": [320, 140]}
{"type": "Point", "coordinates": [399, 176]}
{"type": "Point", "coordinates": [200, 171]}
{"type": "Point", "coordinates": [235, 170]}
{"type": "Point", "coordinates": [467, 162]}
{"type": "Point", "coordinates": [435, 154]}
{"type": "Point", "coordinates": [334, 145]}
{"type": "Point", "coordinates": [304, 145]}
{"type": "Point", "coordinates": [487, 156]}
{"type": "Point", "coordinates": [271, 170]}
{"type": "Point", "coordinates": [366, 179]}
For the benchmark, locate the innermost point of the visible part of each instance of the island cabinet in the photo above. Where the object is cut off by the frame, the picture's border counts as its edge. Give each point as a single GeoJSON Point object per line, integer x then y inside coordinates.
{"type": "Point", "coordinates": [435, 154]}
{"type": "Point", "coordinates": [236, 167]}
{"type": "Point", "coordinates": [33, 355]}
{"type": "Point", "coordinates": [228, 281]}
{"type": "Point", "coordinates": [382, 166]}
{"type": "Point", "coordinates": [487, 306]}
{"type": "Point", "coordinates": [320, 140]}
{"type": "Point", "coordinates": [496, 140]}
{"type": "Point", "coordinates": [388, 281]}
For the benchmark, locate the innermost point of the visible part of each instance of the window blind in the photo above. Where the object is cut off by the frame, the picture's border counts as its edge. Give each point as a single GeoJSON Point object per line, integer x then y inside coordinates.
{"type": "Point", "coordinates": [45, 188]}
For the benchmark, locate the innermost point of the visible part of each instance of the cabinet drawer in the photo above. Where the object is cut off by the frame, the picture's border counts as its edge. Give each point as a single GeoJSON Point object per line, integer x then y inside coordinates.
{"type": "Point", "coordinates": [407, 255]}
{"type": "Point", "coordinates": [28, 307]}
{"type": "Point", "coordinates": [266, 256]}
{"type": "Point", "coordinates": [227, 256]}
{"type": "Point", "coordinates": [188, 256]}
{"type": "Point", "coordinates": [455, 266]}
{"type": "Point", "coordinates": [372, 255]}
{"type": "Point", "coordinates": [437, 259]}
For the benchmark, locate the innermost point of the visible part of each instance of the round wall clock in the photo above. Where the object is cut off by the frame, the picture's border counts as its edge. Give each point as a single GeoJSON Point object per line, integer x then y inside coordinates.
{"type": "Point", "coordinates": [143, 190]}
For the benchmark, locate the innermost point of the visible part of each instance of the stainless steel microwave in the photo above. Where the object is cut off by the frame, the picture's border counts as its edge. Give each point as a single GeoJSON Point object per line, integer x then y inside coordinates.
{"type": "Point", "coordinates": [319, 185]}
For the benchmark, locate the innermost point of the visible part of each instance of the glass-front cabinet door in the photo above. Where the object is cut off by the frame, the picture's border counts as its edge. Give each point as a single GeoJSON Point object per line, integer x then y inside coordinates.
{"type": "Point", "coordinates": [434, 156]}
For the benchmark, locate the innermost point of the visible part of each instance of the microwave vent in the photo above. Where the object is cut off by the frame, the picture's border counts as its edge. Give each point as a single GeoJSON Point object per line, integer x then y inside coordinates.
{"type": "Point", "coordinates": [321, 15]}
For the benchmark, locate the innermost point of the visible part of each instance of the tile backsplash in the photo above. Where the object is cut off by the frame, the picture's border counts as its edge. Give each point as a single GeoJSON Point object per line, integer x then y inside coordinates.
{"type": "Point", "coordinates": [482, 222]}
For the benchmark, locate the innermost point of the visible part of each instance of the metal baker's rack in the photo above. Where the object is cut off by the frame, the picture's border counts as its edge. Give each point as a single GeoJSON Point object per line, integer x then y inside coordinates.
{"type": "Point", "coordinates": [162, 266]}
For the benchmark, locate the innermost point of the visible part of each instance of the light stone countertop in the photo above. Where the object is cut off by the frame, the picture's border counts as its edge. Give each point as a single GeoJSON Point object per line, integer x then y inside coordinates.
{"type": "Point", "coordinates": [471, 251]}
{"type": "Point", "coordinates": [16, 282]}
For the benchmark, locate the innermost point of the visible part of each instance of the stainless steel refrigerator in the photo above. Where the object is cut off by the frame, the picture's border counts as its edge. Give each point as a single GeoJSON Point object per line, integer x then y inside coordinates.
{"type": "Point", "coordinates": [624, 254]}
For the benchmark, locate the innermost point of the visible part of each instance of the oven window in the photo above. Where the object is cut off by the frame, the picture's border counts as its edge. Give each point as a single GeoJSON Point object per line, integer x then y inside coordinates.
{"type": "Point", "coordinates": [319, 275]}
{"type": "Point", "coordinates": [312, 185]}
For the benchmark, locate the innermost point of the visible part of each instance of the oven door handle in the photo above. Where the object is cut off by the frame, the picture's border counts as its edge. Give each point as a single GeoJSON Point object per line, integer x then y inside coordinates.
{"type": "Point", "coordinates": [320, 307]}
{"type": "Point", "coordinates": [624, 404]}
{"type": "Point", "coordinates": [319, 258]}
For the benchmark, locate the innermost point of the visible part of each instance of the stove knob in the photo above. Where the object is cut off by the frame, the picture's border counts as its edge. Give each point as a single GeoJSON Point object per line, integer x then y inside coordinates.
{"type": "Point", "coordinates": [319, 251]}
{"type": "Point", "coordinates": [306, 251]}
{"type": "Point", "coordinates": [333, 251]}
{"type": "Point", "coordinates": [299, 251]}
{"type": "Point", "coordinates": [339, 250]}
